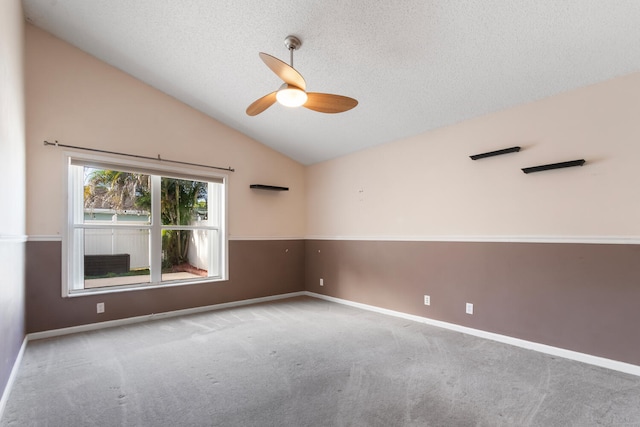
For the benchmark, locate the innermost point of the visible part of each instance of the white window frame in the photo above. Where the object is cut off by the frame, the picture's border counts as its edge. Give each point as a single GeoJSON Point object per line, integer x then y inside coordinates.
{"type": "Point", "coordinates": [69, 252]}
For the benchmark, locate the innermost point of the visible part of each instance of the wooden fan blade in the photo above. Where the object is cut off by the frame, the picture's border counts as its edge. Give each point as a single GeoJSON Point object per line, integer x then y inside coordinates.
{"type": "Point", "coordinates": [261, 104]}
{"type": "Point", "coordinates": [283, 70]}
{"type": "Point", "coordinates": [328, 103]}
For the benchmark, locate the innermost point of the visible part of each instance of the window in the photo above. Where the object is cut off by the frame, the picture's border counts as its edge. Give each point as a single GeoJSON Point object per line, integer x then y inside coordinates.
{"type": "Point", "coordinates": [133, 226]}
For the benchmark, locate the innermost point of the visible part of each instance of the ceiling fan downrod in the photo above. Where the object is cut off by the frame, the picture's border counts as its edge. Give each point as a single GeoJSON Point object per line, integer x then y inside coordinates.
{"type": "Point", "coordinates": [292, 43]}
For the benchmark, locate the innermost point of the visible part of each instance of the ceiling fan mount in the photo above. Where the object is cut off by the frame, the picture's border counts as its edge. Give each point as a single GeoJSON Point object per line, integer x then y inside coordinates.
{"type": "Point", "coordinates": [292, 93]}
{"type": "Point", "coordinates": [292, 42]}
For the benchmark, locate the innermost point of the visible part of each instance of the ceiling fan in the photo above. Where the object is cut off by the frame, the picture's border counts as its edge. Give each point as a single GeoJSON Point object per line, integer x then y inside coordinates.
{"type": "Point", "coordinates": [293, 93]}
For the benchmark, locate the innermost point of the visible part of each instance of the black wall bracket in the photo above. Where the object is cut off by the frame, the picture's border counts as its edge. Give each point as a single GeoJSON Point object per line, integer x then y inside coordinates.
{"type": "Point", "coordinates": [495, 153]}
{"type": "Point", "coordinates": [550, 166]}
{"type": "Point", "coordinates": [268, 187]}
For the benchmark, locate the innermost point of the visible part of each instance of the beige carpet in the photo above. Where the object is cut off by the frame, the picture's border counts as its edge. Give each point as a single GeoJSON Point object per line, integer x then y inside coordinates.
{"type": "Point", "coordinates": [306, 362]}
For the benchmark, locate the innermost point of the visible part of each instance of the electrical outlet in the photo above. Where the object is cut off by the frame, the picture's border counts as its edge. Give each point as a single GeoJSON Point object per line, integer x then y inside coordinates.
{"type": "Point", "coordinates": [321, 282]}
{"type": "Point", "coordinates": [469, 308]}
{"type": "Point", "coordinates": [100, 307]}
{"type": "Point", "coordinates": [427, 300]}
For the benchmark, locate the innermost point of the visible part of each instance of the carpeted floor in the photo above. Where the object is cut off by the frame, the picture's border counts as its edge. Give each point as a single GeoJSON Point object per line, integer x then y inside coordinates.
{"type": "Point", "coordinates": [306, 362]}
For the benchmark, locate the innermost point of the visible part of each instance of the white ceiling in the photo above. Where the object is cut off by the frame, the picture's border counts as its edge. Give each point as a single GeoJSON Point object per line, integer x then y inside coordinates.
{"type": "Point", "coordinates": [413, 65]}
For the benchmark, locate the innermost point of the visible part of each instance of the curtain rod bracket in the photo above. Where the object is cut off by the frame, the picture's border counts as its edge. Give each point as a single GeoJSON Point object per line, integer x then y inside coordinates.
{"type": "Point", "coordinates": [137, 156]}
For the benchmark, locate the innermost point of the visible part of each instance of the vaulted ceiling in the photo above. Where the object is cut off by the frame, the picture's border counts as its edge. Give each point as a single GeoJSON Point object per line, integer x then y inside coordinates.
{"type": "Point", "coordinates": [413, 65]}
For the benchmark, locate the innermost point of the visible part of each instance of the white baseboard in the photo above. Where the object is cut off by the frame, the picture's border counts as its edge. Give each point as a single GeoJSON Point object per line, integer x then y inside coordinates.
{"type": "Point", "coordinates": [542, 348]}
{"type": "Point", "coordinates": [12, 377]}
{"type": "Point", "coordinates": [154, 316]}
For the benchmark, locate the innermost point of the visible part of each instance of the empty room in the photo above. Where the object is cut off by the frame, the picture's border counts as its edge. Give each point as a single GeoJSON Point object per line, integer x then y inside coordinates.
{"type": "Point", "coordinates": [297, 213]}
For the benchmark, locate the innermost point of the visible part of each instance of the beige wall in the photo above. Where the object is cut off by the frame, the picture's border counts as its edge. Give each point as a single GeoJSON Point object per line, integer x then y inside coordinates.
{"type": "Point", "coordinates": [79, 100]}
{"type": "Point", "coordinates": [427, 187]}
{"type": "Point", "coordinates": [12, 221]}
{"type": "Point", "coordinates": [424, 186]}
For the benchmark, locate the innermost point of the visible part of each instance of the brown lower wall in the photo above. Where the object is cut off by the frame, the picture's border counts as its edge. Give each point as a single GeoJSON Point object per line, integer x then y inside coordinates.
{"type": "Point", "coordinates": [12, 310]}
{"type": "Point", "coordinates": [581, 297]}
{"type": "Point", "coordinates": [257, 268]}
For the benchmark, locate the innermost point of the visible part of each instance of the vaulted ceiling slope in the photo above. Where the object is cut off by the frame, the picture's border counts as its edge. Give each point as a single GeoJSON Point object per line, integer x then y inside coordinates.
{"type": "Point", "coordinates": [413, 65]}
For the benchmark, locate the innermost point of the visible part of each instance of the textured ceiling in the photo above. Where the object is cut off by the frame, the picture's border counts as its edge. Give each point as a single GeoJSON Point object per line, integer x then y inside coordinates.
{"type": "Point", "coordinates": [414, 65]}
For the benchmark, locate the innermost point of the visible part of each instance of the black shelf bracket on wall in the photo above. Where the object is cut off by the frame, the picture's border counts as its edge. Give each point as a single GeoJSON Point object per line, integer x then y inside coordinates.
{"type": "Point", "coordinates": [550, 166]}
{"type": "Point", "coordinates": [268, 187]}
{"type": "Point", "coordinates": [495, 153]}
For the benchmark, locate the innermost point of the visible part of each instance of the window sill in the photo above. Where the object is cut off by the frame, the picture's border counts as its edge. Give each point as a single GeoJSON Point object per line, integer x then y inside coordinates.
{"type": "Point", "coordinates": [142, 287]}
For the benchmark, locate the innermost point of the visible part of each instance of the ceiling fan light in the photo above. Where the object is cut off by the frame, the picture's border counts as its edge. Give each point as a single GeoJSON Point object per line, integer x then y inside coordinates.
{"type": "Point", "coordinates": [291, 96]}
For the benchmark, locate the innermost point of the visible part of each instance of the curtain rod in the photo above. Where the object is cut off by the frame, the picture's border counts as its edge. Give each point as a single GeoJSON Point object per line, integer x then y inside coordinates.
{"type": "Point", "coordinates": [137, 156]}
